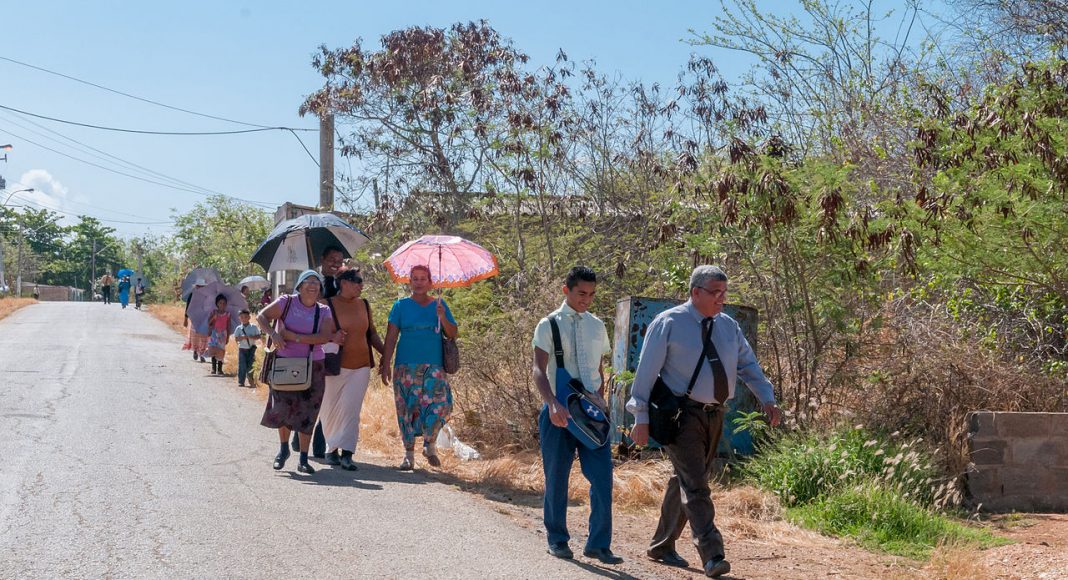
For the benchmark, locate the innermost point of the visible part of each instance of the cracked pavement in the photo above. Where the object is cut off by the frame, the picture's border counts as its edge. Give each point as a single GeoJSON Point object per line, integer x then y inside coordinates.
{"type": "Point", "coordinates": [125, 459]}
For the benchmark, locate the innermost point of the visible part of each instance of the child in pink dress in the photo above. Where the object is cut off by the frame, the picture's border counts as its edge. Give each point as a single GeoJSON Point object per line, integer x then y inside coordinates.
{"type": "Point", "coordinates": [219, 324]}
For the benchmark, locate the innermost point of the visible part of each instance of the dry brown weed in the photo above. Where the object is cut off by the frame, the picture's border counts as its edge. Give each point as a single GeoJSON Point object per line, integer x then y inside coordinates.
{"type": "Point", "coordinates": [10, 304]}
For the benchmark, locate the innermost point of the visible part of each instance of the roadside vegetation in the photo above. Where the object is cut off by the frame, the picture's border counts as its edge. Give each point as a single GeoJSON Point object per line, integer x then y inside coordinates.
{"type": "Point", "coordinates": [9, 304]}
{"type": "Point", "coordinates": [895, 208]}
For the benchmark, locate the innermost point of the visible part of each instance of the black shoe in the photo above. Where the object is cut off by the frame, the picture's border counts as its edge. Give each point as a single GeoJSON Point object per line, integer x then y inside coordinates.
{"type": "Point", "coordinates": [347, 464]}
{"type": "Point", "coordinates": [333, 458]}
{"type": "Point", "coordinates": [716, 568]}
{"type": "Point", "coordinates": [561, 551]}
{"type": "Point", "coordinates": [305, 468]}
{"type": "Point", "coordinates": [280, 460]}
{"type": "Point", "coordinates": [194, 357]}
{"type": "Point", "coordinates": [603, 554]}
{"type": "Point", "coordinates": [295, 444]}
{"type": "Point", "coordinates": [668, 557]}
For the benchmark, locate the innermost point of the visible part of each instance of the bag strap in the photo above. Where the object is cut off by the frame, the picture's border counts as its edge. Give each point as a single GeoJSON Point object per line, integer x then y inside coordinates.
{"type": "Point", "coordinates": [367, 335]}
{"type": "Point", "coordinates": [282, 318]}
{"type": "Point", "coordinates": [705, 343]}
{"type": "Point", "coordinates": [558, 345]}
{"type": "Point", "coordinates": [330, 302]}
{"type": "Point", "coordinates": [315, 329]}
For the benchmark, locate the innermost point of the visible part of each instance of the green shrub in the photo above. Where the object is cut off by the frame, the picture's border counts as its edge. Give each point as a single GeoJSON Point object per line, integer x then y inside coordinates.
{"type": "Point", "coordinates": [803, 467]}
{"type": "Point", "coordinates": [879, 518]}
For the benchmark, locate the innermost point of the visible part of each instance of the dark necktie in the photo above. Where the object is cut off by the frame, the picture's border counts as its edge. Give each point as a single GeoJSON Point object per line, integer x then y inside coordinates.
{"type": "Point", "coordinates": [719, 375]}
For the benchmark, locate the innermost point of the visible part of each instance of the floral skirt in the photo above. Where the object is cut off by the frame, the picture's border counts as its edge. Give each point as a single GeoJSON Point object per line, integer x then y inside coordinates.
{"type": "Point", "coordinates": [296, 410]}
{"type": "Point", "coordinates": [217, 341]}
{"type": "Point", "coordinates": [195, 341]}
{"type": "Point", "coordinates": [424, 401]}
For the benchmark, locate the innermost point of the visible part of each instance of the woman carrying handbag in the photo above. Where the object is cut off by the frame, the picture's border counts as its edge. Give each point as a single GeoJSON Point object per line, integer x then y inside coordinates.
{"type": "Point", "coordinates": [297, 326]}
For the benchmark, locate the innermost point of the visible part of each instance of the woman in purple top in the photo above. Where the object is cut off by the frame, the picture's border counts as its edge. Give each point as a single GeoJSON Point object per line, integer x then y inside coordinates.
{"type": "Point", "coordinates": [294, 336]}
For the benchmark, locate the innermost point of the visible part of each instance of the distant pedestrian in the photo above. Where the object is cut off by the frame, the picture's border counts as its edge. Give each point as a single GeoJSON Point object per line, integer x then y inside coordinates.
{"type": "Point", "coordinates": [246, 335]}
{"type": "Point", "coordinates": [304, 326]}
{"type": "Point", "coordinates": [420, 388]}
{"type": "Point", "coordinates": [139, 293]}
{"type": "Point", "coordinates": [696, 352]}
{"type": "Point", "coordinates": [219, 323]}
{"type": "Point", "coordinates": [266, 298]}
{"type": "Point", "coordinates": [105, 288]}
{"type": "Point", "coordinates": [340, 414]}
{"type": "Point", "coordinates": [124, 291]}
{"type": "Point", "coordinates": [36, 292]}
{"type": "Point", "coordinates": [197, 337]}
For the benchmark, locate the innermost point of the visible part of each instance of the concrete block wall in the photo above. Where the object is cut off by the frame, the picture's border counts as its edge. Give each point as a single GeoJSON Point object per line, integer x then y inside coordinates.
{"type": "Point", "coordinates": [1019, 461]}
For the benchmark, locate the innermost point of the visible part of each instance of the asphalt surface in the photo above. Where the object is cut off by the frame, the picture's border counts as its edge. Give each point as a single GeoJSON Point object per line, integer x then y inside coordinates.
{"type": "Point", "coordinates": [121, 457]}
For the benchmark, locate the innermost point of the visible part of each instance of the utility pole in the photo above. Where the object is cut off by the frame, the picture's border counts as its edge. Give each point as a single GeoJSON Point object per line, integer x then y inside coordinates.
{"type": "Point", "coordinates": [3, 280]}
{"type": "Point", "coordinates": [326, 162]}
{"type": "Point", "coordinates": [18, 264]}
{"type": "Point", "coordinates": [93, 283]}
{"type": "Point", "coordinates": [140, 265]}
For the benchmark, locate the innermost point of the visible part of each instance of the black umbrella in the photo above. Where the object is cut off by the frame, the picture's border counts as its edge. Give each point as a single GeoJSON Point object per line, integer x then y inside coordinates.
{"type": "Point", "coordinates": [296, 244]}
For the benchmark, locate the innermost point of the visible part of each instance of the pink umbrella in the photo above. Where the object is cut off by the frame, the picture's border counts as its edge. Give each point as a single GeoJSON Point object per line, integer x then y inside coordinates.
{"type": "Point", "coordinates": [453, 261]}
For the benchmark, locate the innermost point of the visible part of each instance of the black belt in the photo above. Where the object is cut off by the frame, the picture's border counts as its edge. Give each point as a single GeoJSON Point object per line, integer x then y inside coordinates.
{"type": "Point", "coordinates": [706, 407]}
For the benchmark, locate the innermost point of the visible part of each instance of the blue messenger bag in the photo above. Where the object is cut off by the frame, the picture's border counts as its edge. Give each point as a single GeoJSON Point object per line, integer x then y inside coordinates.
{"type": "Point", "coordinates": [588, 422]}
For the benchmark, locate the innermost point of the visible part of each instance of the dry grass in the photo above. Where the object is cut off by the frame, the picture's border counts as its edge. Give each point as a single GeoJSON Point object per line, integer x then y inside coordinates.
{"type": "Point", "coordinates": [957, 564]}
{"type": "Point", "coordinates": [174, 313]}
{"type": "Point", "coordinates": [10, 304]}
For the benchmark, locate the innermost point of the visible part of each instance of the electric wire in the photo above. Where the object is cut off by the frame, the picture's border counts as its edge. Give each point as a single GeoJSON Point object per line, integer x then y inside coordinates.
{"type": "Point", "coordinates": [131, 164]}
{"type": "Point", "coordinates": [41, 205]}
{"type": "Point", "coordinates": [142, 99]}
{"type": "Point", "coordinates": [142, 131]}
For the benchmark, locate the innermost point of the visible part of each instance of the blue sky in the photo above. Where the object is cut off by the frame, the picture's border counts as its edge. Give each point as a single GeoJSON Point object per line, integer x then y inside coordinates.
{"type": "Point", "coordinates": [250, 61]}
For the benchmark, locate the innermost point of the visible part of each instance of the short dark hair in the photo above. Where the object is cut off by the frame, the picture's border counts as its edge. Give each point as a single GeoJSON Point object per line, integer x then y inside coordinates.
{"type": "Point", "coordinates": [351, 275]}
{"type": "Point", "coordinates": [329, 249]}
{"type": "Point", "coordinates": [580, 274]}
{"type": "Point", "coordinates": [221, 297]}
{"type": "Point", "coordinates": [244, 311]}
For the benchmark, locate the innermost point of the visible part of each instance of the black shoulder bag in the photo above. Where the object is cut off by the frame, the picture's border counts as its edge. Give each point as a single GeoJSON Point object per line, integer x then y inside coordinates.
{"type": "Point", "coordinates": [665, 407]}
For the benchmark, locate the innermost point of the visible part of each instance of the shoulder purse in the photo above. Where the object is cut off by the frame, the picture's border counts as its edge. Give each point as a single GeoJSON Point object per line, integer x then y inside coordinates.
{"type": "Point", "coordinates": [370, 348]}
{"type": "Point", "coordinates": [450, 354]}
{"type": "Point", "coordinates": [293, 373]}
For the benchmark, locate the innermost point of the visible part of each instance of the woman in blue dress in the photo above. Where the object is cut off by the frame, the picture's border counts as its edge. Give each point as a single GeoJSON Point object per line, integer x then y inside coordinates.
{"type": "Point", "coordinates": [124, 291]}
{"type": "Point", "coordinates": [420, 388]}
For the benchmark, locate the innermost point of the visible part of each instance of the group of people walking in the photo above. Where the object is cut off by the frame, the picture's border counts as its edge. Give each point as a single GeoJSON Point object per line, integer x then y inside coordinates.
{"type": "Point", "coordinates": [326, 319]}
{"type": "Point", "coordinates": [694, 350]}
{"type": "Point", "coordinates": [125, 287]}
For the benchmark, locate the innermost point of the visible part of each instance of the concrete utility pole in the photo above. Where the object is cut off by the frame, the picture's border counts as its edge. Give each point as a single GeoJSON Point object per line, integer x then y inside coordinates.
{"type": "Point", "coordinates": [3, 280]}
{"type": "Point", "coordinates": [326, 162]}
{"type": "Point", "coordinates": [93, 285]}
{"type": "Point", "coordinates": [18, 265]}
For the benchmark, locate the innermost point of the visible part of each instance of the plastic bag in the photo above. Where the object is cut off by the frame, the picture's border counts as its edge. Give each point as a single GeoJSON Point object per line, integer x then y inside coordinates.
{"type": "Point", "coordinates": [447, 439]}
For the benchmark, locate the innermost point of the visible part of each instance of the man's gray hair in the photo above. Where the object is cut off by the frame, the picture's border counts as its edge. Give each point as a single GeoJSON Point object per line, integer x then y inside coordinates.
{"type": "Point", "coordinates": [704, 274]}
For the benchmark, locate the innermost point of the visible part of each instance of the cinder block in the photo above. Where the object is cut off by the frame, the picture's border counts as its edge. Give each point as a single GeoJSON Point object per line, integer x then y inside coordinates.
{"type": "Point", "coordinates": [1059, 425]}
{"type": "Point", "coordinates": [984, 482]}
{"type": "Point", "coordinates": [1036, 452]}
{"type": "Point", "coordinates": [1048, 503]}
{"type": "Point", "coordinates": [1023, 424]}
{"type": "Point", "coordinates": [989, 451]}
{"type": "Point", "coordinates": [1057, 480]}
{"type": "Point", "coordinates": [1017, 480]}
{"type": "Point", "coordinates": [982, 423]}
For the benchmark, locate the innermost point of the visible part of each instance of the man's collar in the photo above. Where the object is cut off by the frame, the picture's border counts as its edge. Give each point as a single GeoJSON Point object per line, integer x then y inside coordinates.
{"type": "Point", "coordinates": [566, 309]}
{"type": "Point", "coordinates": [695, 312]}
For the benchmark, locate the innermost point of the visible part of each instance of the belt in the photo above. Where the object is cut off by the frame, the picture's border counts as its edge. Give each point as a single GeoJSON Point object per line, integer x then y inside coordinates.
{"type": "Point", "coordinates": [706, 407]}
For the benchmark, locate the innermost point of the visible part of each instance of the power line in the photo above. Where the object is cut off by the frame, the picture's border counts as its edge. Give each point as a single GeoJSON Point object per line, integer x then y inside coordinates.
{"type": "Point", "coordinates": [142, 99]}
{"type": "Point", "coordinates": [144, 132]}
{"type": "Point", "coordinates": [257, 203]}
{"type": "Point", "coordinates": [146, 170]}
{"type": "Point", "coordinates": [41, 205]}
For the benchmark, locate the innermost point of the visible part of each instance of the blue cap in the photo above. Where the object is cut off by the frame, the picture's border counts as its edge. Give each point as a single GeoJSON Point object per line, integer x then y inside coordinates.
{"type": "Point", "coordinates": [308, 274]}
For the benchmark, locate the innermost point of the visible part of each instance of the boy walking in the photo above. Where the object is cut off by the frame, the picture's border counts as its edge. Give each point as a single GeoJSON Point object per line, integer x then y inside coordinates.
{"type": "Point", "coordinates": [584, 341]}
{"type": "Point", "coordinates": [246, 335]}
{"type": "Point", "coordinates": [139, 293]}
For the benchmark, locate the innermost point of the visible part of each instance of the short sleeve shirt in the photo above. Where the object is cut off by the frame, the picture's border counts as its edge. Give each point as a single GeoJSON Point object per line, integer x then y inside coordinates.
{"type": "Point", "coordinates": [585, 341]}
{"type": "Point", "coordinates": [420, 338]}
{"type": "Point", "coordinates": [246, 335]}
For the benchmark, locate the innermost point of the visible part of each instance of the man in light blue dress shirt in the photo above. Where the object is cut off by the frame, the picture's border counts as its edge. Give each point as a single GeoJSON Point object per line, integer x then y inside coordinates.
{"type": "Point", "coordinates": [673, 345]}
{"type": "Point", "coordinates": [584, 341]}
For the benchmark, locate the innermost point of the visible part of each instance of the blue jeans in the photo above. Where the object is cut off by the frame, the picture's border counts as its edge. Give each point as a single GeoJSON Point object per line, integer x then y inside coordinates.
{"type": "Point", "coordinates": [558, 448]}
{"type": "Point", "coordinates": [245, 358]}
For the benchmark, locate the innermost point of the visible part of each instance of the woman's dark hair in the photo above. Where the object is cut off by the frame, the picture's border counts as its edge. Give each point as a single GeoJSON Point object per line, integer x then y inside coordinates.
{"type": "Point", "coordinates": [221, 297]}
{"type": "Point", "coordinates": [352, 275]}
{"type": "Point", "coordinates": [422, 267]}
{"type": "Point", "coordinates": [580, 274]}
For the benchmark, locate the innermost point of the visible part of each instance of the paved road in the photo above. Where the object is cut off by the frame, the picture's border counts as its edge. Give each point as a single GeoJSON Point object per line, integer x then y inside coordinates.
{"type": "Point", "coordinates": [120, 457]}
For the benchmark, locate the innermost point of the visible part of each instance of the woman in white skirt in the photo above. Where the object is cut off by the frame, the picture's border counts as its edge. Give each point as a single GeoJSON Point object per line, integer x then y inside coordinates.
{"type": "Point", "coordinates": [340, 413]}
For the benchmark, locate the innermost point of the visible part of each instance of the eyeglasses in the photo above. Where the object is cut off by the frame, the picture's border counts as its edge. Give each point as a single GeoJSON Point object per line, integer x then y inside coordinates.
{"type": "Point", "coordinates": [714, 293]}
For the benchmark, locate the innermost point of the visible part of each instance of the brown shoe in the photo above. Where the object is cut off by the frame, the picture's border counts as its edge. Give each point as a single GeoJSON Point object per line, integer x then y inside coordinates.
{"type": "Point", "coordinates": [432, 458]}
